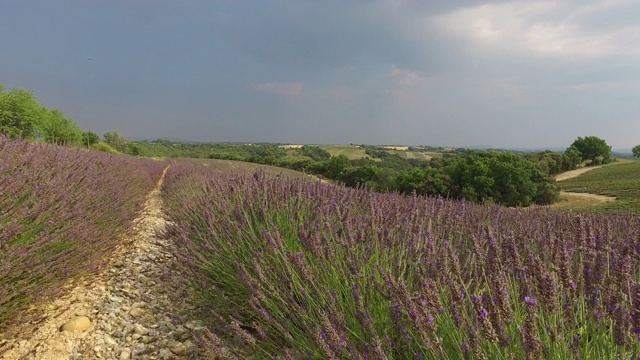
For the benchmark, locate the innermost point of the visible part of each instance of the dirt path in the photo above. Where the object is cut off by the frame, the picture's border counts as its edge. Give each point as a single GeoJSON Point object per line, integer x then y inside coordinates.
{"type": "Point", "coordinates": [575, 173]}
{"type": "Point", "coordinates": [572, 199]}
{"type": "Point", "coordinates": [136, 307]}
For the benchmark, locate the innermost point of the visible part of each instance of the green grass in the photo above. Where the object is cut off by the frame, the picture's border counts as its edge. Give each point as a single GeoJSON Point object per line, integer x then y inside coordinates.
{"type": "Point", "coordinates": [351, 152]}
{"type": "Point", "coordinates": [104, 147]}
{"type": "Point", "coordinates": [620, 180]}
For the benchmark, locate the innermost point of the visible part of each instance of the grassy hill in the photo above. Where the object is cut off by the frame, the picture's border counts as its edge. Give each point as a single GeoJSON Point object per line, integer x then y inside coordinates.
{"type": "Point", "coordinates": [350, 151]}
{"type": "Point", "coordinates": [418, 155]}
{"type": "Point", "coordinates": [357, 152]}
{"type": "Point", "coordinates": [620, 180]}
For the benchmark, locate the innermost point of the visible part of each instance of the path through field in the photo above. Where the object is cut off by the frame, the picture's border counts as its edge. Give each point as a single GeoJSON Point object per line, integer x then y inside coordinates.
{"type": "Point", "coordinates": [135, 309]}
{"type": "Point", "coordinates": [574, 199]}
{"type": "Point", "coordinates": [575, 173]}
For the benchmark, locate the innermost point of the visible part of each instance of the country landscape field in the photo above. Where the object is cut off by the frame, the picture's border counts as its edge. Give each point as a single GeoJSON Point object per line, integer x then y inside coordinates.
{"type": "Point", "coordinates": [280, 264]}
{"type": "Point", "coordinates": [302, 180]}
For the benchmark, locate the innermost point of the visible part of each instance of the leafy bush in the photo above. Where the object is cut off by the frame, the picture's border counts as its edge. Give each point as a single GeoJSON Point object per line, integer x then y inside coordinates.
{"type": "Point", "coordinates": [315, 153]}
{"type": "Point", "coordinates": [307, 270]}
{"type": "Point", "coordinates": [104, 147]}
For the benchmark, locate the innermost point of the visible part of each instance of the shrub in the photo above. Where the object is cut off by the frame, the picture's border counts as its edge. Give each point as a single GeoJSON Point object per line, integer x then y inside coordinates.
{"type": "Point", "coordinates": [104, 147]}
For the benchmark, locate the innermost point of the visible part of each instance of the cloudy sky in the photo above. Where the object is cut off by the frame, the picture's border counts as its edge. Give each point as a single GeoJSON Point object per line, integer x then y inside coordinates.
{"type": "Point", "coordinates": [439, 72]}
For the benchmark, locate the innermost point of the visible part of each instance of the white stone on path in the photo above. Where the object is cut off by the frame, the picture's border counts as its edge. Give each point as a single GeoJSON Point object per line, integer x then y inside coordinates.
{"type": "Point", "coordinates": [79, 323]}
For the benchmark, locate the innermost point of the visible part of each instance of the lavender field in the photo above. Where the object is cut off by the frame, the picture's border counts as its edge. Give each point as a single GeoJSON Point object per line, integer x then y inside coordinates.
{"type": "Point", "coordinates": [63, 211]}
{"type": "Point", "coordinates": [300, 269]}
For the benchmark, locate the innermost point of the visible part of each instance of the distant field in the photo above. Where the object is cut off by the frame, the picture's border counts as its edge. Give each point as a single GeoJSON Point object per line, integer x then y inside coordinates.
{"type": "Point", "coordinates": [355, 152]}
{"type": "Point", "coordinates": [351, 152]}
{"type": "Point", "coordinates": [619, 180]}
{"type": "Point", "coordinates": [241, 166]}
{"type": "Point", "coordinates": [419, 155]}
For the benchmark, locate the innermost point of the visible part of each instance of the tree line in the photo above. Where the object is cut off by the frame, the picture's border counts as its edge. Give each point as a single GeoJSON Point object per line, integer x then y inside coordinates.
{"type": "Point", "coordinates": [23, 117]}
{"type": "Point", "coordinates": [501, 177]}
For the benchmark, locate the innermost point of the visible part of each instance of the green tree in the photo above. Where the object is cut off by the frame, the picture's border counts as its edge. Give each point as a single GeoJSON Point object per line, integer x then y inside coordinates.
{"type": "Point", "coordinates": [513, 179]}
{"type": "Point", "coordinates": [21, 117]}
{"type": "Point", "coordinates": [504, 178]}
{"type": "Point", "coordinates": [572, 158]}
{"type": "Point", "coordinates": [116, 141]}
{"type": "Point", "coordinates": [314, 152]}
{"type": "Point", "coordinates": [593, 149]}
{"type": "Point", "coordinates": [89, 138]}
{"type": "Point", "coordinates": [61, 130]}
{"type": "Point", "coordinates": [428, 181]}
{"type": "Point", "coordinates": [471, 178]}
{"type": "Point", "coordinates": [636, 151]}
{"type": "Point", "coordinates": [362, 175]}
{"type": "Point", "coordinates": [134, 149]}
{"type": "Point", "coordinates": [336, 165]}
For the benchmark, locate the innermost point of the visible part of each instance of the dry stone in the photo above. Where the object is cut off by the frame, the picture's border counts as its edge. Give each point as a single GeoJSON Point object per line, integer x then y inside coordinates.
{"type": "Point", "coordinates": [177, 348]}
{"type": "Point", "coordinates": [79, 323]}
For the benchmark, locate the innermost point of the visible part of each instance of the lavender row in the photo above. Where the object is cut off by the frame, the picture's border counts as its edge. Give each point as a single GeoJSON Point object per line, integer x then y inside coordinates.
{"type": "Point", "coordinates": [62, 212]}
{"type": "Point", "coordinates": [301, 269]}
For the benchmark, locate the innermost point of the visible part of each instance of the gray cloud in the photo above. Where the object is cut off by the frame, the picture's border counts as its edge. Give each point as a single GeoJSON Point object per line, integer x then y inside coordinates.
{"type": "Point", "coordinates": [524, 73]}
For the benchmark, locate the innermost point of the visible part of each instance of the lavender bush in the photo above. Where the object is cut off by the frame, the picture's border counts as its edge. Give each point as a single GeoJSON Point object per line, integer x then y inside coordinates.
{"type": "Point", "coordinates": [301, 269]}
{"type": "Point", "coordinates": [62, 212]}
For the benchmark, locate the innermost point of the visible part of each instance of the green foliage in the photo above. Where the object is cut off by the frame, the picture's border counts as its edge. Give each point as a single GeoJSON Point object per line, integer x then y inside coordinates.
{"type": "Point", "coordinates": [89, 138]}
{"type": "Point", "coordinates": [104, 147]}
{"type": "Point", "coordinates": [636, 151]}
{"type": "Point", "coordinates": [501, 177]}
{"type": "Point", "coordinates": [376, 152]}
{"type": "Point", "coordinates": [593, 149]}
{"type": "Point", "coordinates": [336, 165]}
{"type": "Point", "coordinates": [315, 153]}
{"type": "Point", "coordinates": [554, 163]}
{"type": "Point", "coordinates": [116, 141]}
{"type": "Point", "coordinates": [429, 181]}
{"type": "Point", "coordinates": [61, 130]}
{"type": "Point", "coordinates": [120, 144]}
{"type": "Point", "coordinates": [21, 117]}
{"type": "Point", "coordinates": [573, 157]}
{"type": "Point", "coordinates": [134, 149]}
{"type": "Point", "coordinates": [361, 175]}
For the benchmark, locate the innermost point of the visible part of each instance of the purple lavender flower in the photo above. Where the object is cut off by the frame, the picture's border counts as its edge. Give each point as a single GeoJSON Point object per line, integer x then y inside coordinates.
{"type": "Point", "coordinates": [529, 300]}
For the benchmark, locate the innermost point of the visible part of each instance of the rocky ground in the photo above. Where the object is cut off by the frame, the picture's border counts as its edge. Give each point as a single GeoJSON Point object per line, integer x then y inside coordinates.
{"type": "Point", "coordinates": [135, 309]}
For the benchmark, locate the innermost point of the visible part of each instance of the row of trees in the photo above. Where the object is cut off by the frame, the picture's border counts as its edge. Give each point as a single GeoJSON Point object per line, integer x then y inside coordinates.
{"type": "Point", "coordinates": [22, 117]}
{"type": "Point", "coordinates": [499, 177]}
{"type": "Point", "coordinates": [482, 176]}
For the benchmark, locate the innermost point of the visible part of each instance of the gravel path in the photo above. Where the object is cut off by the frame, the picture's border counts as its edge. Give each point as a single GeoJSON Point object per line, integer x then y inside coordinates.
{"type": "Point", "coordinates": [135, 309]}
